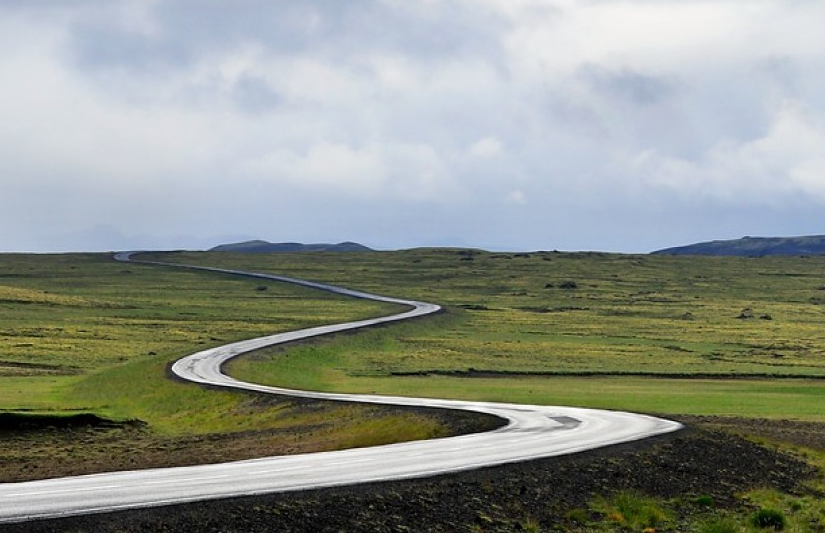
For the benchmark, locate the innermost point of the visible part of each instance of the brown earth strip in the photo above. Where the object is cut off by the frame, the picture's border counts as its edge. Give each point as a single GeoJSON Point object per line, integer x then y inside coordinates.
{"type": "Point", "coordinates": [22, 368]}
{"type": "Point", "coordinates": [509, 374]}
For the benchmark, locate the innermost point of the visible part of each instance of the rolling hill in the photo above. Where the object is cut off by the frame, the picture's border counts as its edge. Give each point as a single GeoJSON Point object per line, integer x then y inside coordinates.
{"type": "Point", "coordinates": [259, 246]}
{"type": "Point", "coordinates": [753, 246]}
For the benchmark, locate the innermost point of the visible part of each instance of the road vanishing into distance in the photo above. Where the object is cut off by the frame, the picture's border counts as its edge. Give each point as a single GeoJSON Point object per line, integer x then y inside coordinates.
{"type": "Point", "coordinates": [530, 432]}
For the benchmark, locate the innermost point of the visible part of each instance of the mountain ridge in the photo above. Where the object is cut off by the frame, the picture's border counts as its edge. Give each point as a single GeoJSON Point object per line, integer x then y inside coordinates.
{"type": "Point", "coordinates": [752, 247]}
{"type": "Point", "coordinates": [261, 246]}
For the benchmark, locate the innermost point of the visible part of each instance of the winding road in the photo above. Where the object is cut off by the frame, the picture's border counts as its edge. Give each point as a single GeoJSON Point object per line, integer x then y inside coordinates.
{"type": "Point", "coordinates": [530, 432]}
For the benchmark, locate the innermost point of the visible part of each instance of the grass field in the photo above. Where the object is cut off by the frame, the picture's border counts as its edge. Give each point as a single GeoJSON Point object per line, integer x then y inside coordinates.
{"type": "Point", "coordinates": [652, 333]}
{"type": "Point", "coordinates": [657, 334]}
{"type": "Point", "coordinates": [83, 333]}
{"type": "Point", "coordinates": [671, 335]}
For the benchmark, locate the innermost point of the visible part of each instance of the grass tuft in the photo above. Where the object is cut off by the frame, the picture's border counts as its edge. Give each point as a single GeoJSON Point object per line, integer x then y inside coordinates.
{"type": "Point", "coordinates": [719, 524]}
{"type": "Point", "coordinates": [634, 511]}
{"type": "Point", "coordinates": [766, 518]}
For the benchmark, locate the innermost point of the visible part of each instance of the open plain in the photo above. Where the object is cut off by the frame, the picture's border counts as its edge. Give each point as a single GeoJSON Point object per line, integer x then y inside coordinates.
{"type": "Point", "coordinates": [712, 337]}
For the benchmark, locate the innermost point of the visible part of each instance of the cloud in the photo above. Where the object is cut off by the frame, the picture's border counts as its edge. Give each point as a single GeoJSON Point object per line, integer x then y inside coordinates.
{"type": "Point", "coordinates": [516, 197]}
{"type": "Point", "coordinates": [398, 171]}
{"type": "Point", "coordinates": [158, 114]}
{"type": "Point", "coordinates": [486, 148]}
{"type": "Point", "coordinates": [785, 163]}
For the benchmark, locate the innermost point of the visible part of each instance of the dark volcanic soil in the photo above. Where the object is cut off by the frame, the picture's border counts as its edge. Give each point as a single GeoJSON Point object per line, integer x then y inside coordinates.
{"type": "Point", "coordinates": [799, 433]}
{"type": "Point", "coordinates": [691, 463]}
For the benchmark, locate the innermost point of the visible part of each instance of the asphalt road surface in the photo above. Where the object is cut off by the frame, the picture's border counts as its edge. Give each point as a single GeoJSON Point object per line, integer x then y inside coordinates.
{"type": "Point", "coordinates": [531, 432]}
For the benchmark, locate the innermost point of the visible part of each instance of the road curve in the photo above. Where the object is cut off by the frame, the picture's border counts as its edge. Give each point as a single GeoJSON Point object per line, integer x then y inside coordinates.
{"type": "Point", "coordinates": [531, 432]}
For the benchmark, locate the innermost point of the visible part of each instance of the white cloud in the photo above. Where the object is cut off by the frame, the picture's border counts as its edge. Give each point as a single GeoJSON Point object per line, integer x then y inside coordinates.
{"type": "Point", "coordinates": [65, 128]}
{"type": "Point", "coordinates": [516, 197]}
{"type": "Point", "coordinates": [486, 148]}
{"type": "Point", "coordinates": [407, 172]}
{"type": "Point", "coordinates": [331, 168]}
{"type": "Point", "coordinates": [785, 162]}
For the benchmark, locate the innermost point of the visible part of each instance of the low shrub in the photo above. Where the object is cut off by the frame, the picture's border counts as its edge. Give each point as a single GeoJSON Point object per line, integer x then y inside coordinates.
{"type": "Point", "coordinates": [769, 518]}
{"type": "Point", "coordinates": [578, 516]}
{"type": "Point", "coordinates": [704, 501]}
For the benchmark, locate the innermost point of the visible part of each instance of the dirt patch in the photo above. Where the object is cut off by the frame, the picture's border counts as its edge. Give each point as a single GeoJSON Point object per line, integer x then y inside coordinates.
{"type": "Point", "coordinates": [510, 374]}
{"type": "Point", "coordinates": [18, 421]}
{"type": "Point", "coordinates": [805, 434]}
{"type": "Point", "coordinates": [682, 466]}
{"type": "Point", "coordinates": [22, 368]}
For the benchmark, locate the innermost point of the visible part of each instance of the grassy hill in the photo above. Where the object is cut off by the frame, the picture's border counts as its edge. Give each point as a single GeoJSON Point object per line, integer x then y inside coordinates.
{"type": "Point", "coordinates": [753, 247]}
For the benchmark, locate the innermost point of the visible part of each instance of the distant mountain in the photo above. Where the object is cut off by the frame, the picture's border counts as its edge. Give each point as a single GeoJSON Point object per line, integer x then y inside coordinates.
{"type": "Point", "coordinates": [264, 246]}
{"type": "Point", "coordinates": [753, 247]}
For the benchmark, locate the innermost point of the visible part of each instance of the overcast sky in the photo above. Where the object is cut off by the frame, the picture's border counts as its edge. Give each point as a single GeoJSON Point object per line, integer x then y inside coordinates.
{"type": "Point", "coordinates": [616, 125]}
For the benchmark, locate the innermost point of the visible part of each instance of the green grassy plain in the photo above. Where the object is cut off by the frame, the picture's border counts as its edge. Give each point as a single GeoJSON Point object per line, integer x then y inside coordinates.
{"type": "Point", "coordinates": [660, 334]}
{"type": "Point", "coordinates": [673, 335]}
{"type": "Point", "coordinates": [83, 333]}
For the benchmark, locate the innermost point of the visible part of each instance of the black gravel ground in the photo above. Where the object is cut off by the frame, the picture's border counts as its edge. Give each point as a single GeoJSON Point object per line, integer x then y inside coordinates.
{"type": "Point", "coordinates": [682, 466]}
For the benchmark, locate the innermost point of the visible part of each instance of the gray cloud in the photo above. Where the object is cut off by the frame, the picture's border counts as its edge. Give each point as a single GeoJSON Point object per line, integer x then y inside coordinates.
{"type": "Point", "coordinates": [525, 124]}
{"type": "Point", "coordinates": [627, 86]}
